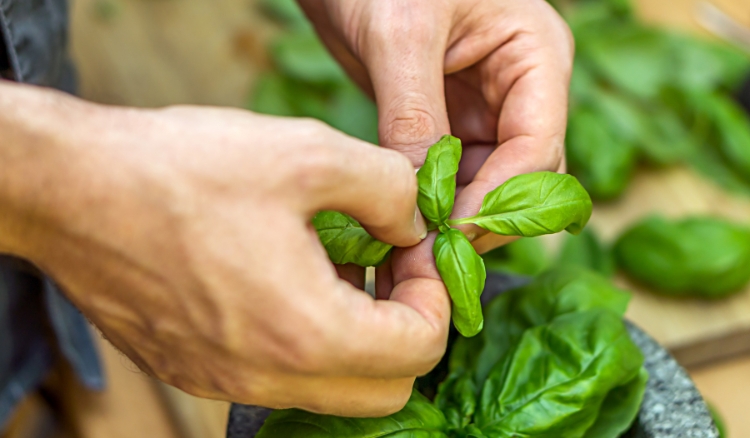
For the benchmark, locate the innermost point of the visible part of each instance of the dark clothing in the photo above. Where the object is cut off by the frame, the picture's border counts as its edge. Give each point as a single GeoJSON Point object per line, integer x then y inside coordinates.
{"type": "Point", "coordinates": [37, 323]}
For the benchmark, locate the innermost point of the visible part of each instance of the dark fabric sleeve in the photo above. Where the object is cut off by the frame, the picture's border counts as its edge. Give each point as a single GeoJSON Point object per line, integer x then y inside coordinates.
{"type": "Point", "coordinates": [37, 322]}
{"type": "Point", "coordinates": [4, 61]}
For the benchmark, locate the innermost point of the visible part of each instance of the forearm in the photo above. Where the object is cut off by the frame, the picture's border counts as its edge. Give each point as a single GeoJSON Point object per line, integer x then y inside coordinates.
{"type": "Point", "coordinates": [39, 163]}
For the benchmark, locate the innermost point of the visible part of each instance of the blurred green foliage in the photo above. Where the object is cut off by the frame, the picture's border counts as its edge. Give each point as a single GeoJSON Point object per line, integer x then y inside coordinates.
{"type": "Point", "coordinates": [642, 94]}
{"type": "Point", "coordinates": [526, 256]}
{"type": "Point", "coordinates": [307, 82]}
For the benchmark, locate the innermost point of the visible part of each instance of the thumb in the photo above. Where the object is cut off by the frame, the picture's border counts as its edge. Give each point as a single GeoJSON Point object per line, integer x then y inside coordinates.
{"type": "Point", "coordinates": [404, 53]}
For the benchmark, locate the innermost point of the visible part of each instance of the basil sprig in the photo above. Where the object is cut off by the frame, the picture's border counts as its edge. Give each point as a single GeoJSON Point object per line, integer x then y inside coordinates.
{"type": "Point", "coordinates": [527, 205]}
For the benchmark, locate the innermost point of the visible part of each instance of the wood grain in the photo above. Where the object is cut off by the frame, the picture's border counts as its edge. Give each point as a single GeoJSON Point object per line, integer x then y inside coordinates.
{"type": "Point", "coordinates": [726, 386]}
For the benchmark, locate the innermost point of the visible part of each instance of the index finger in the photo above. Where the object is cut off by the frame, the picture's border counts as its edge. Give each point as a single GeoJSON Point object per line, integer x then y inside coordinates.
{"type": "Point", "coordinates": [532, 117]}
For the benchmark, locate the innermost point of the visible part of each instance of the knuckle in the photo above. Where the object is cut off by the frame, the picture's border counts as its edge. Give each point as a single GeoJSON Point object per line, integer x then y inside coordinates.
{"type": "Point", "coordinates": [402, 191]}
{"type": "Point", "coordinates": [309, 170]}
{"type": "Point", "coordinates": [410, 127]}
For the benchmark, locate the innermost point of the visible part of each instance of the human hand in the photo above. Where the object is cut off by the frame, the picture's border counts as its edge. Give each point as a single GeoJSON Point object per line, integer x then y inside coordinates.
{"type": "Point", "coordinates": [184, 235]}
{"type": "Point", "coordinates": [494, 73]}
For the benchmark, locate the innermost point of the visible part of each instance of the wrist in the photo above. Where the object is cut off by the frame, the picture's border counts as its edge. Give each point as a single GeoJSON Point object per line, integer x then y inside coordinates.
{"type": "Point", "coordinates": [41, 158]}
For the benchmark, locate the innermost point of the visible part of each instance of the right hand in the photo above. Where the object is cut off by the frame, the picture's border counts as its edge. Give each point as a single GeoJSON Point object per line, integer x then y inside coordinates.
{"type": "Point", "coordinates": [184, 235]}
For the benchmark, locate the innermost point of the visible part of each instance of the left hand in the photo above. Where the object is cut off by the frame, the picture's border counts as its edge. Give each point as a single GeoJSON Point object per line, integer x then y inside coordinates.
{"type": "Point", "coordinates": [495, 73]}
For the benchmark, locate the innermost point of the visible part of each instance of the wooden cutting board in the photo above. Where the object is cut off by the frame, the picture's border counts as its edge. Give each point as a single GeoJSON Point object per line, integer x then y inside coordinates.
{"type": "Point", "coordinates": [696, 331]}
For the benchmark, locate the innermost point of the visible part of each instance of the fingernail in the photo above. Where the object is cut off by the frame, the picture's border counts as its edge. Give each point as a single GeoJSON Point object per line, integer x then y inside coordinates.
{"type": "Point", "coordinates": [419, 224]}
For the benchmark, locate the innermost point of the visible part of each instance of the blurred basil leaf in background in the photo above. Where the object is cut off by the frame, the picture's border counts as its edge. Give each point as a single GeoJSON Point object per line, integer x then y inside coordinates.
{"type": "Point", "coordinates": [698, 256]}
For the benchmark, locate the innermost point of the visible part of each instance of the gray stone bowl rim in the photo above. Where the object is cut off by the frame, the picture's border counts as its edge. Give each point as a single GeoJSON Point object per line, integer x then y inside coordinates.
{"type": "Point", "coordinates": [672, 406]}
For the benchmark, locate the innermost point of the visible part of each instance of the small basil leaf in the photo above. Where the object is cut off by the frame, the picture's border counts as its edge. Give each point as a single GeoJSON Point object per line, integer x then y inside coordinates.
{"type": "Point", "coordinates": [534, 204]}
{"type": "Point", "coordinates": [710, 163]}
{"type": "Point", "coordinates": [473, 432]}
{"type": "Point", "coordinates": [558, 374]}
{"type": "Point", "coordinates": [632, 58]}
{"type": "Point", "coordinates": [733, 127]}
{"type": "Point", "coordinates": [701, 256]}
{"type": "Point", "coordinates": [437, 180]}
{"type": "Point", "coordinates": [602, 160]}
{"type": "Point", "coordinates": [619, 408]}
{"type": "Point", "coordinates": [347, 242]}
{"type": "Point", "coordinates": [418, 419]}
{"type": "Point", "coordinates": [457, 399]}
{"type": "Point", "coordinates": [462, 271]}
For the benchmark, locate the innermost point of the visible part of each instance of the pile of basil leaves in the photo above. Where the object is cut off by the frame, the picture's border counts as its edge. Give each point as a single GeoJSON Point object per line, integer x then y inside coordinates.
{"type": "Point", "coordinates": [554, 360]}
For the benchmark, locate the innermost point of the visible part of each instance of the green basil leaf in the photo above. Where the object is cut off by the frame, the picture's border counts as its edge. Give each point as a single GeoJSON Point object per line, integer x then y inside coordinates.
{"type": "Point", "coordinates": [472, 432]}
{"type": "Point", "coordinates": [733, 132]}
{"type": "Point", "coordinates": [557, 377]}
{"type": "Point", "coordinates": [302, 56]}
{"type": "Point", "coordinates": [619, 408]}
{"type": "Point", "coordinates": [655, 130]}
{"type": "Point", "coordinates": [702, 256]}
{"type": "Point", "coordinates": [525, 256]}
{"type": "Point", "coordinates": [352, 112]}
{"type": "Point", "coordinates": [632, 58]}
{"type": "Point", "coordinates": [463, 273]}
{"type": "Point", "coordinates": [587, 251]}
{"type": "Point", "coordinates": [582, 83]}
{"type": "Point", "coordinates": [419, 419]}
{"type": "Point", "coordinates": [347, 242]}
{"type": "Point", "coordinates": [286, 12]}
{"type": "Point", "coordinates": [667, 140]}
{"type": "Point", "coordinates": [534, 204]}
{"type": "Point", "coordinates": [437, 180]}
{"type": "Point", "coordinates": [457, 399]}
{"type": "Point", "coordinates": [597, 156]}
{"type": "Point", "coordinates": [556, 293]}
{"type": "Point", "coordinates": [271, 96]}
{"type": "Point", "coordinates": [700, 63]}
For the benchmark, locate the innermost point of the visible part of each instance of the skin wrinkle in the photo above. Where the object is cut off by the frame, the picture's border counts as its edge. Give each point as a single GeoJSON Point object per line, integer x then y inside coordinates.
{"type": "Point", "coordinates": [495, 97]}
